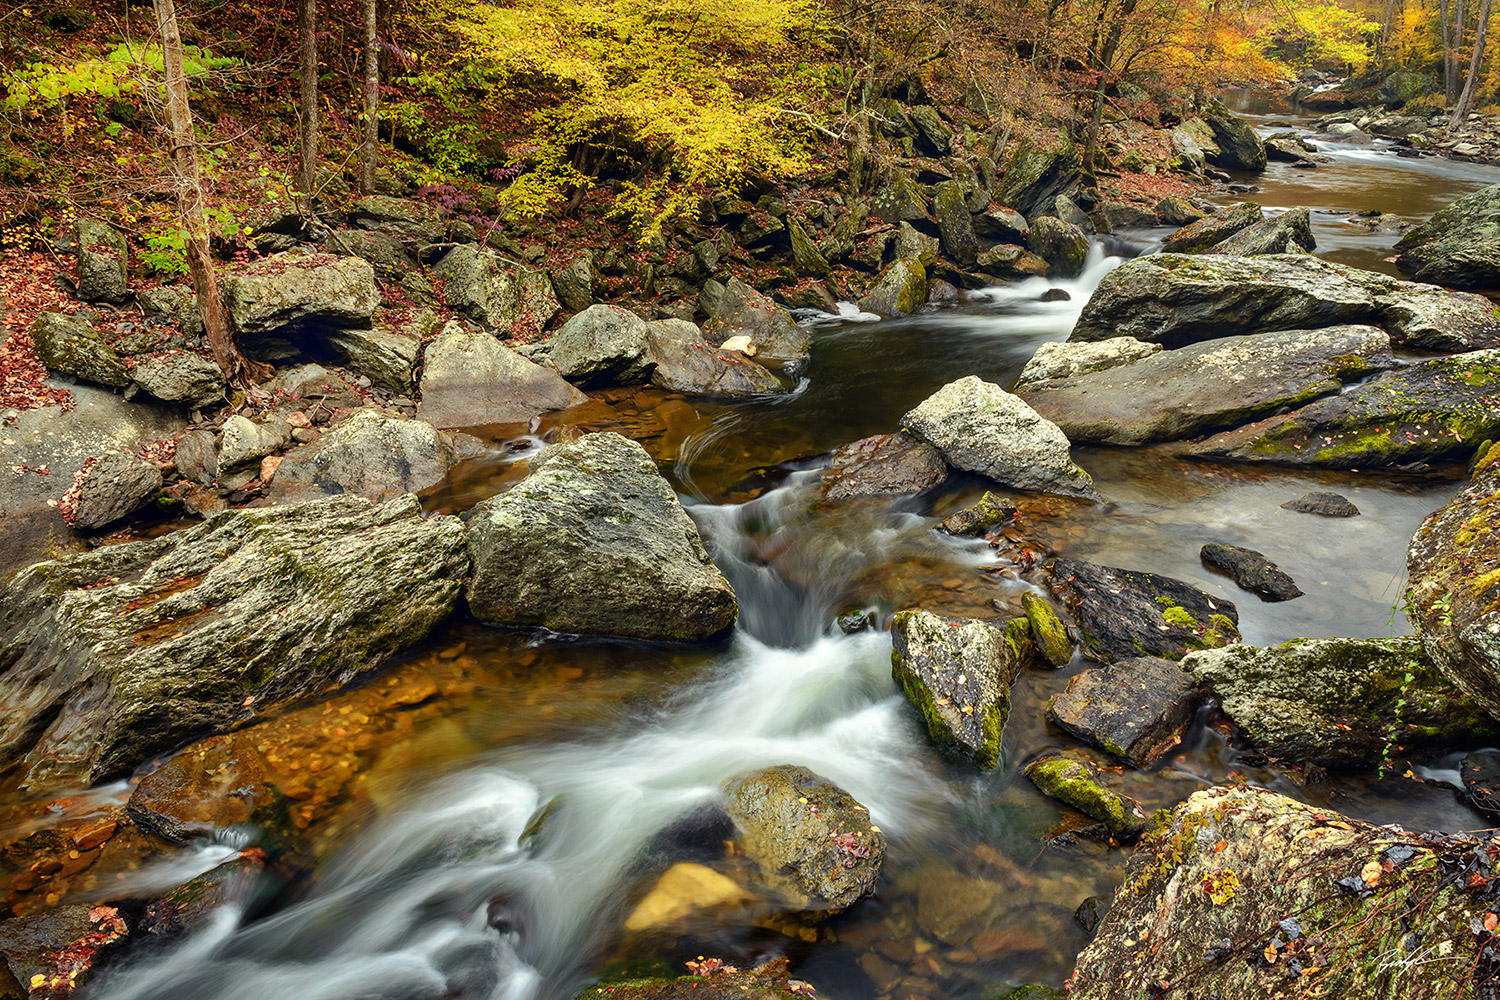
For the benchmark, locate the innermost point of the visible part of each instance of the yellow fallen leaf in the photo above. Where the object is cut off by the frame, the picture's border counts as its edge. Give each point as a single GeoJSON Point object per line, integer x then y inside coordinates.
{"type": "Point", "coordinates": [1371, 873]}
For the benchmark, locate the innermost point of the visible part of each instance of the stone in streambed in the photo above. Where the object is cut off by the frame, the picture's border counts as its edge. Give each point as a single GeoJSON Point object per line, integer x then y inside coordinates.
{"type": "Point", "coordinates": [1324, 504]}
{"type": "Point", "coordinates": [742, 311]}
{"type": "Point", "coordinates": [1061, 244]}
{"type": "Point", "coordinates": [979, 517]}
{"type": "Point", "coordinates": [511, 299]}
{"type": "Point", "coordinates": [958, 673]}
{"type": "Point", "coordinates": [244, 442]}
{"type": "Point", "coordinates": [883, 465]}
{"type": "Point", "coordinates": [385, 355]}
{"type": "Point", "coordinates": [1075, 782]}
{"type": "Point", "coordinates": [684, 890]}
{"type": "Point", "coordinates": [1251, 570]}
{"type": "Point", "coordinates": [1070, 359]}
{"type": "Point", "coordinates": [955, 225]}
{"type": "Point", "coordinates": [60, 945]}
{"type": "Point", "coordinates": [1459, 246]}
{"type": "Point", "coordinates": [899, 290]}
{"type": "Point", "coordinates": [684, 362]}
{"type": "Point", "coordinates": [372, 454]}
{"type": "Point", "coordinates": [594, 541]}
{"type": "Point", "coordinates": [1208, 231]}
{"type": "Point", "coordinates": [603, 345]}
{"type": "Point", "coordinates": [71, 345]}
{"type": "Point", "coordinates": [119, 484]}
{"type": "Point", "coordinates": [211, 787]}
{"type": "Point", "coordinates": [1136, 709]}
{"type": "Point", "coordinates": [768, 982]}
{"type": "Point", "coordinates": [470, 379]}
{"type": "Point", "coordinates": [1050, 633]}
{"type": "Point", "coordinates": [1010, 261]}
{"type": "Point", "coordinates": [1290, 232]}
{"type": "Point", "coordinates": [1121, 614]}
{"type": "Point", "coordinates": [244, 881]}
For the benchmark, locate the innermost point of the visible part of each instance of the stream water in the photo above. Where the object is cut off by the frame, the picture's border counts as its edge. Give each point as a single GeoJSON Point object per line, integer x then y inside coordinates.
{"type": "Point", "coordinates": [426, 887]}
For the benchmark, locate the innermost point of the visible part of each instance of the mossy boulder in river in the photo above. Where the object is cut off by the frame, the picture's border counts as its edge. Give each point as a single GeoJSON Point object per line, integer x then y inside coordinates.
{"type": "Point", "coordinates": [469, 378]}
{"type": "Point", "coordinates": [1240, 147]}
{"type": "Point", "coordinates": [978, 518]}
{"type": "Point", "coordinates": [898, 291]}
{"type": "Point", "coordinates": [1454, 591]}
{"type": "Point", "coordinates": [1246, 893]}
{"type": "Point", "coordinates": [741, 311]}
{"type": "Point", "coordinates": [1459, 246]}
{"type": "Point", "coordinates": [685, 362]}
{"type": "Point", "coordinates": [1136, 709]}
{"type": "Point", "coordinates": [1061, 244]}
{"type": "Point", "coordinates": [1290, 232]}
{"type": "Point", "coordinates": [510, 299]}
{"type": "Point", "coordinates": [1209, 231]}
{"type": "Point", "coordinates": [111, 656]}
{"type": "Point", "coordinates": [594, 541]}
{"type": "Point", "coordinates": [603, 345]}
{"type": "Point", "coordinates": [1121, 613]}
{"type": "Point", "coordinates": [1072, 358]}
{"type": "Point", "coordinates": [1074, 781]}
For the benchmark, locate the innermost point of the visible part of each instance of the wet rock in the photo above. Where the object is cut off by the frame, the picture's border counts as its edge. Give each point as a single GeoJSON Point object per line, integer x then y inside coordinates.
{"type": "Point", "coordinates": [981, 428]}
{"type": "Point", "coordinates": [245, 441]}
{"type": "Point", "coordinates": [212, 787]}
{"type": "Point", "coordinates": [1480, 773]}
{"type": "Point", "coordinates": [184, 378]}
{"type": "Point", "coordinates": [243, 881]}
{"type": "Point", "coordinates": [1070, 358]}
{"type": "Point", "coordinates": [111, 656]}
{"type": "Point", "coordinates": [595, 541]}
{"type": "Point", "coordinates": [955, 226]}
{"type": "Point", "coordinates": [603, 345]}
{"type": "Point", "coordinates": [119, 484]}
{"type": "Point", "coordinates": [1177, 212]}
{"type": "Point", "coordinates": [1382, 223]}
{"type": "Point", "coordinates": [574, 283]}
{"type": "Point", "coordinates": [1289, 232]}
{"type": "Point", "coordinates": [511, 299]}
{"type": "Point", "coordinates": [1324, 504]}
{"type": "Point", "coordinates": [1009, 261]}
{"type": "Point", "coordinates": [1454, 585]}
{"type": "Point", "coordinates": [1048, 631]}
{"type": "Point", "coordinates": [414, 220]}
{"type": "Point", "coordinates": [61, 945]}
{"type": "Point", "coordinates": [958, 673]}
{"type": "Point", "coordinates": [899, 290]}
{"type": "Point", "coordinates": [684, 890]}
{"type": "Point", "coordinates": [101, 262]}
{"type": "Point", "coordinates": [1136, 709]}
{"type": "Point", "coordinates": [1055, 295]}
{"type": "Point", "coordinates": [1251, 570]}
{"type": "Point", "coordinates": [684, 362]}
{"type": "Point", "coordinates": [856, 621]}
{"type": "Point", "coordinates": [883, 465]}
{"type": "Point", "coordinates": [1003, 224]}
{"type": "Point", "coordinates": [1061, 244]}
{"type": "Point", "coordinates": [383, 354]}
{"type": "Point", "coordinates": [1339, 702]}
{"type": "Point", "coordinates": [69, 344]}
{"type": "Point", "coordinates": [1075, 782]}
{"type": "Point", "coordinates": [470, 379]}
{"type": "Point", "coordinates": [1209, 231]}
{"type": "Point", "coordinates": [814, 844]}
{"type": "Point", "coordinates": [1240, 872]}
{"type": "Point", "coordinates": [743, 312]}
{"type": "Point", "coordinates": [198, 457]}
{"type": "Point", "coordinates": [1459, 246]}
{"type": "Point", "coordinates": [1175, 299]}
{"type": "Point", "coordinates": [1429, 410]}
{"type": "Point", "coordinates": [768, 983]}
{"type": "Point", "coordinates": [1345, 132]}
{"type": "Point", "coordinates": [1121, 614]}
{"type": "Point", "coordinates": [1112, 216]}
{"type": "Point", "coordinates": [1294, 150]}
{"type": "Point", "coordinates": [300, 290]}
{"type": "Point", "coordinates": [372, 454]}
{"type": "Point", "coordinates": [979, 517]}
{"type": "Point", "coordinates": [1240, 147]}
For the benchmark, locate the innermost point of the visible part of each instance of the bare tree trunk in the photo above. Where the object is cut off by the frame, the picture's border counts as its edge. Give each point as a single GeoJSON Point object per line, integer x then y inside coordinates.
{"type": "Point", "coordinates": [1466, 101]}
{"type": "Point", "coordinates": [307, 117]}
{"type": "Point", "coordinates": [1104, 60]}
{"type": "Point", "coordinates": [1385, 29]}
{"type": "Point", "coordinates": [190, 196]}
{"type": "Point", "coordinates": [372, 101]}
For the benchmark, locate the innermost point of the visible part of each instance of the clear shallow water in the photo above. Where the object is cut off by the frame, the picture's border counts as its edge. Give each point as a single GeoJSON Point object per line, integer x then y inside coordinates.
{"type": "Point", "coordinates": [425, 888]}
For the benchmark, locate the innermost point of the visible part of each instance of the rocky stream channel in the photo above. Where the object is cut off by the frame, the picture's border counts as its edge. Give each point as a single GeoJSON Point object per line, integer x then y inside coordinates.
{"type": "Point", "coordinates": [524, 815]}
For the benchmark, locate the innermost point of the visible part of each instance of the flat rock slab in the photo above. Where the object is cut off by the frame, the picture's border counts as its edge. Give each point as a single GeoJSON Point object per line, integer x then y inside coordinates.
{"type": "Point", "coordinates": [1322, 504]}
{"type": "Point", "coordinates": [372, 454]}
{"type": "Point", "coordinates": [112, 656]}
{"type": "Point", "coordinates": [1179, 299]}
{"type": "Point", "coordinates": [1122, 614]}
{"type": "Point", "coordinates": [1434, 409]}
{"type": "Point", "coordinates": [1136, 709]}
{"type": "Point", "coordinates": [1290, 232]}
{"type": "Point", "coordinates": [470, 379]}
{"type": "Point", "coordinates": [1339, 702]}
{"type": "Point", "coordinates": [1251, 570]}
{"type": "Point", "coordinates": [219, 784]}
{"type": "Point", "coordinates": [1209, 386]}
{"type": "Point", "coordinates": [1072, 358]}
{"type": "Point", "coordinates": [883, 465]}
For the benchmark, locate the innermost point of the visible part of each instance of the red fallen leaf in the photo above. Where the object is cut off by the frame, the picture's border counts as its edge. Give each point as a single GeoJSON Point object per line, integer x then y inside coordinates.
{"type": "Point", "coordinates": [1489, 922]}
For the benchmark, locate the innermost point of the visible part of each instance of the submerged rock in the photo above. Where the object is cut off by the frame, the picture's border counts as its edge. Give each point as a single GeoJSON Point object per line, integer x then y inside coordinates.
{"type": "Point", "coordinates": [1208, 231]}
{"type": "Point", "coordinates": [111, 656]}
{"type": "Point", "coordinates": [1324, 504]}
{"type": "Point", "coordinates": [71, 345]}
{"type": "Point", "coordinates": [1072, 358]}
{"type": "Point", "coordinates": [372, 454]}
{"type": "Point", "coordinates": [119, 484]}
{"type": "Point", "coordinates": [958, 673]}
{"type": "Point", "coordinates": [979, 517]}
{"type": "Point", "coordinates": [594, 541]}
{"type": "Point", "coordinates": [1250, 570]}
{"type": "Point", "coordinates": [883, 465]}
{"type": "Point", "coordinates": [1338, 702]}
{"type": "Point", "coordinates": [208, 789]}
{"type": "Point", "coordinates": [981, 428]}
{"type": "Point", "coordinates": [813, 843]}
{"type": "Point", "coordinates": [1459, 246]}
{"type": "Point", "coordinates": [1121, 614]}
{"type": "Point", "coordinates": [1075, 782]}
{"type": "Point", "coordinates": [1480, 773]}
{"type": "Point", "coordinates": [471, 379]}
{"type": "Point", "coordinates": [1136, 709]}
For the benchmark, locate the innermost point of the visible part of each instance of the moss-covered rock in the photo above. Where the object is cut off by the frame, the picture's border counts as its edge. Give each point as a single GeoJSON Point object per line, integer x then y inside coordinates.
{"type": "Point", "coordinates": [899, 290]}
{"type": "Point", "coordinates": [69, 344]}
{"type": "Point", "coordinates": [1037, 174]}
{"type": "Point", "coordinates": [1050, 634]}
{"type": "Point", "coordinates": [1459, 246]}
{"type": "Point", "coordinates": [102, 255]}
{"type": "Point", "coordinates": [741, 311]}
{"type": "Point", "coordinates": [1239, 144]}
{"type": "Point", "coordinates": [510, 299]}
{"type": "Point", "coordinates": [770, 982]}
{"type": "Point", "coordinates": [1074, 781]}
{"type": "Point", "coordinates": [978, 518]}
{"type": "Point", "coordinates": [1121, 613]}
{"type": "Point", "coordinates": [955, 226]}
{"type": "Point", "coordinates": [1208, 231]}
{"type": "Point", "coordinates": [1070, 359]}
{"type": "Point", "coordinates": [300, 290]}
{"type": "Point", "coordinates": [682, 361]}
{"type": "Point", "coordinates": [1010, 261]}
{"type": "Point", "coordinates": [1061, 244]}
{"type": "Point", "coordinates": [1290, 232]}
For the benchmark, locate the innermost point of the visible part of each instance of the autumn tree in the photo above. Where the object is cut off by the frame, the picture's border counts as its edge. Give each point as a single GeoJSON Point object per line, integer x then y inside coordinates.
{"type": "Point", "coordinates": [372, 101]}
{"type": "Point", "coordinates": [1471, 83]}
{"type": "Point", "coordinates": [307, 112]}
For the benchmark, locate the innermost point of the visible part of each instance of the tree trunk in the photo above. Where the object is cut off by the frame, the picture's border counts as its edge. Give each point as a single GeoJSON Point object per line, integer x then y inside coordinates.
{"type": "Point", "coordinates": [1466, 100]}
{"type": "Point", "coordinates": [1104, 60]}
{"type": "Point", "coordinates": [307, 117]}
{"type": "Point", "coordinates": [1385, 29]}
{"type": "Point", "coordinates": [184, 153]}
{"type": "Point", "coordinates": [372, 102]}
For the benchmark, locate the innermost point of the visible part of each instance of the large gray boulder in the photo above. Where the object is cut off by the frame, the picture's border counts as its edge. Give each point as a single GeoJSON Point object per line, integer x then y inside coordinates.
{"type": "Point", "coordinates": [1035, 176]}
{"type": "Point", "coordinates": [1433, 409]}
{"type": "Point", "coordinates": [603, 345]}
{"type": "Point", "coordinates": [1339, 702]}
{"type": "Point", "coordinates": [955, 226]}
{"type": "Point", "coordinates": [1209, 231]}
{"type": "Point", "coordinates": [1057, 360]}
{"type": "Point", "coordinates": [413, 220]}
{"type": "Point", "coordinates": [372, 454]}
{"type": "Point", "coordinates": [183, 377]}
{"type": "Point", "coordinates": [470, 379]}
{"type": "Point", "coordinates": [384, 354]}
{"type": "Point", "coordinates": [1290, 232]}
{"type": "Point", "coordinates": [1177, 299]}
{"type": "Point", "coordinates": [1061, 244]}
{"type": "Point", "coordinates": [1459, 246]}
{"type": "Point", "coordinates": [300, 290]}
{"type": "Point", "coordinates": [899, 290]}
{"type": "Point", "coordinates": [743, 312]}
{"type": "Point", "coordinates": [71, 345]}
{"type": "Point", "coordinates": [101, 262]}
{"type": "Point", "coordinates": [981, 428]}
{"type": "Point", "coordinates": [120, 483]}
{"type": "Point", "coordinates": [112, 656]}
{"type": "Point", "coordinates": [594, 541]}
{"type": "Point", "coordinates": [1209, 386]}
{"type": "Point", "coordinates": [510, 299]}
{"type": "Point", "coordinates": [684, 362]}
{"type": "Point", "coordinates": [1240, 147]}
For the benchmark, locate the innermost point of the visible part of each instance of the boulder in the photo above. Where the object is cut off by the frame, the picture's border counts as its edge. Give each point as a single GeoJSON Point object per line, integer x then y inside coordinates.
{"type": "Point", "coordinates": [743, 312]}
{"type": "Point", "coordinates": [1290, 232]}
{"type": "Point", "coordinates": [1186, 143]}
{"type": "Point", "coordinates": [175, 302]}
{"type": "Point", "coordinates": [1003, 224]}
{"type": "Point", "coordinates": [899, 290]}
{"type": "Point", "coordinates": [245, 441]}
{"type": "Point", "coordinates": [1136, 709]}
{"type": "Point", "coordinates": [978, 518]}
{"type": "Point", "coordinates": [899, 200]}
{"type": "Point", "coordinates": [933, 137]}
{"type": "Point", "coordinates": [119, 484]}
{"type": "Point", "coordinates": [1076, 782]}
{"type": "Point", "coordinates": [684, 362]}
{"type": "Point", "coordinates": [112, 656]}
{"type": "Point", "coordinates": [1339, 702]}
{"type": "Point", "coordinates": [1036, 175]}
{"type": "Point", "coordinates": [198, 456]}
{"type": "Point", "coordinates": [574, 283]}
{"type": "Point", "coordinates": [955, 227]}
{"type": "Point", "coordinates": [916, 245]}
{"type": "Point", "coordinates": [1294, 150]}
{"type": "Point", "coordinates": [183, 377]}
{"type": "Point", "coordinates": [299, 290]}
{"type": "Point", "coordinates": [1324, 504]}
{"type": "Point", "coordinates": [245, 881]}
{"type": "Point", "coordinates": [510, 299]}
{"type": "Point", "coordinates": [1432, 409]}
{"type": "Point", "coordinates": [1242, 892]}
{"type": "Point", "coordinates": [71, 345]}
{"type": "Point", "coordinates": [470, 379]}
{"type": "Point", "coordinates": [1210, 385]}
{"type": "Point", "coordinates": [1010, 261]}
{"type": "Point", "coordinates": [387, 356]}
{"type": "Point", "coordinates": [1403, 86]}
{"type": "Point", "coordinates": [1177, 212]}
{"type": "Point", "coordinates": [958, 673]}
{"type": "Point", "coordinates": [59, 946]}
{"type": "Point", "coordinates": [806, 259]}
{"type": "Point", "coordinates": [102, 254]}
{"type": "Point", "coordinates": [1112, 216]}
{"type": "Point", "coordinates": [813, 843]}
{"type": "Point", "coordinates": [1071, 358]}
{"type": "Point", "coordinates": [1211, 230]}
{"type": "Point", "coordinates": [981, 428]}
{"type": "Point", "coordinates": [1048, 633]}
{"type": "Point", "coordinates": [883, 465]}
{"type": "Point", "coordinates": [1061, 244]}
{"type": "Point", "coordinates": [1454, 584]}
{"type": "Point", "coordinates": [594, 541]}
{"type": "Point", "coordinates": [1121, 614]}
{"type": "Point", "coordinates": [1251, 570]}
{"type": "Point", "coordinates": [1240, 147]}
{"type": "Point", "coordinates": [1459, 246]}
{"type": "Point", "coordinates": [372, 454]}
{"type": "Point", "coordinates": [414, 220]}
{"type": "Point", "coordinates": [603, 345]}
{"type": "Point", "coordinates": [218, 785]}
{"type": "Point", "coordinates": [1176, 299]}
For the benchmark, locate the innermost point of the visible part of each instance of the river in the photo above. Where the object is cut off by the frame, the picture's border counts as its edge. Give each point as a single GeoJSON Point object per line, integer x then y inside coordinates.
{"type": "Point", "coordinates": [425, 887]}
